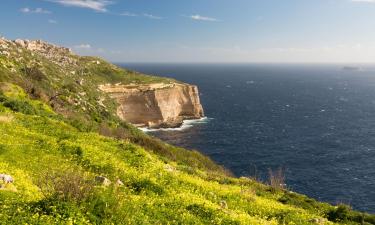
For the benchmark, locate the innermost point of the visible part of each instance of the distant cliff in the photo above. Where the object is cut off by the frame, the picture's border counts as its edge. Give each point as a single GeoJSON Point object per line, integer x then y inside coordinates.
{"type": "Point", "coordinates": [156, 105]}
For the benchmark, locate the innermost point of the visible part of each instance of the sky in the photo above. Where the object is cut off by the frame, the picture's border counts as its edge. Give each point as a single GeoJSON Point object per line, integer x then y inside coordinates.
{"type": "Point", "coordinates": [275, 31]}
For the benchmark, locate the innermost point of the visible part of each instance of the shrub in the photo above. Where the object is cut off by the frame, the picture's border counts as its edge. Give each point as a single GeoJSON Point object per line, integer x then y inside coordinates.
{"type": "Point", "coordinates": [146, 185]}
{"type": "Point", "coordinates": [67, 186]}
{"type": "Point", "coordinates": [106, 205]}
{"type": "Point", "coordinates": [20, 106]}
{"type": "Point", "coordinates": [340, 213]}
{"type": "Point", "coordinates": [276, 179]}
{"type": "Point", "coordinates": [105, 130]}
{"type": "Point", "coordinates": [201, 211]}
{"type": "Point", "coordinates": [34, 73]}
{"type": "Point", "coordinates": [301, 201]}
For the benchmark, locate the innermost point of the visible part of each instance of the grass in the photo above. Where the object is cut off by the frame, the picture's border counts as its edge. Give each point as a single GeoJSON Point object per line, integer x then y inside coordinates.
{"type": "Point", "coordinates": [56, 139]}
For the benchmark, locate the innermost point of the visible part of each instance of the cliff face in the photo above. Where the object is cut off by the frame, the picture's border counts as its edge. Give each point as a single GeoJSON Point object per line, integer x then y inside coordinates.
{"type": "Point", "coordinates": [156, 105]}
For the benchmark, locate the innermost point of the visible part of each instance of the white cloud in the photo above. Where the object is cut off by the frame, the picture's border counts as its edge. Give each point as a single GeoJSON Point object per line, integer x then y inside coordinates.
{"type": "Point", "coordinates": [37, 11]}
{"type": "Point", "coordinates": [52, 21]}
{"type": "Point", "coordinates": [83, 46]}
{"type": "Point", "coordinates": [203, 18]}
{"type": "Point", "coordinates": [128, 14]}
{"type": "Point", "coordinates": [365, 1]}
{"type": "Point", "coordinates": [97, 5]}
{"type": "Point", "coordinates": [150, 16]}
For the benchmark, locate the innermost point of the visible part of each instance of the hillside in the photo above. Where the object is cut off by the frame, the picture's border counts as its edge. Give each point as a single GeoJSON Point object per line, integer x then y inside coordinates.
{"type": "Point", "coordinates": [73, 161]}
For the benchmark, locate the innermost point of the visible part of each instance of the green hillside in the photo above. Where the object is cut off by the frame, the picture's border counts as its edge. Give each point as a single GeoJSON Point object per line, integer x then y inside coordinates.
{"type": "Point", "coordinates": [74, 162]}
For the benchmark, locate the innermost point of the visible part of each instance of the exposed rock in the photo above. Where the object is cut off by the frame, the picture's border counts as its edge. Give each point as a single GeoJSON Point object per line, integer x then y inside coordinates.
{"type": "Point", "coordinates": [320, 221]}
{"type": "Point", "coordinates": [80, 82]}
{"type": "Point", "coordinates": [6, 53]}
{"type": "Point", "coordinates": [156, 105]}
{"type": "Point", "coordinates": [103, 180]}
{"type": "Point", "coordinates": [169, 168]}
{"type": "Point", "coordinates": [223, 204]}
{"type": "Point", "coordinates": [119, 182]}
{"type": "Point", "coordinates": [6, 178]}
{"type": "Point", "coordinates": [57, 54]}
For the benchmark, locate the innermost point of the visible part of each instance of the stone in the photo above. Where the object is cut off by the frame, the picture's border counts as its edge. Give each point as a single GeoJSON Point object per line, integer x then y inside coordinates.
{"type": "Point", "coordinates": [80, 82]}
{"type": "Point", "coordinates": [119, 182]}
{"type": "Point", "coordinates": [223, 204]}
{"type": "Point", "coordinates": [6, 53]}
{"type": "Point", "coordinates": [169, 168]}
{"type": "Point", "coordinates": [7, 179]}
{"type": "Point", "coordinates": [319, 221]}
{"type": "Point", "coordinates": [103, 180]}
{"type": "Point", "coordinates": [3, 45]}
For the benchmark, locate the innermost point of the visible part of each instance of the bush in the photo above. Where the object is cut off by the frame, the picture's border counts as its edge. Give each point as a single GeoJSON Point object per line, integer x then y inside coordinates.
{"type": "Point", "coordinates": [67, 186]}
{"type": "Point", "coordinates": [276, 179]}
{"type": "Point", "coordinates": [339, 214]}
{"type": "Point", "coordinates": [20, 106]}
{"type": "Point", "coordinates": [34, 73]}
{"type": "Point", "coordinates": [105, 206]}
{"type": "Point", "coordinates": [301, 201]}
{"type": "Point", "coordinates": [201, 211]}
{"type": "Point", "coordinates": [147, 186]}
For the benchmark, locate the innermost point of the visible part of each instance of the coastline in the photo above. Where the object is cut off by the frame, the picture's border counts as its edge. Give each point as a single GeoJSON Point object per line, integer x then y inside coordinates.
{"type": "Point", "coordinates": [186, 124]}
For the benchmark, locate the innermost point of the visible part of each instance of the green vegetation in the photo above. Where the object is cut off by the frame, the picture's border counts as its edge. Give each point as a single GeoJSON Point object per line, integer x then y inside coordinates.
{"type": "Point", "coordinates": [62, 148]}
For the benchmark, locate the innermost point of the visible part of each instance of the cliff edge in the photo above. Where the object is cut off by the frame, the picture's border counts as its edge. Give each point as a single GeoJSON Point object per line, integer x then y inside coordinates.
{"type": "Point", "coordinates": [157, 105]}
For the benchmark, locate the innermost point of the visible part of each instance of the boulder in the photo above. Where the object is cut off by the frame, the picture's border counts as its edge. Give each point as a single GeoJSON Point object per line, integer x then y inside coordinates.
{"type": "Point", "coordinates": [103, 180]}
{"type": "Point", "coordinates": [223, 204]}
{"type": "Point", "coordinates": [320, 221]}
{"type": "Point", "coordinates": [119, 182]}
{"type": "Point", "coordinates": [6, 178]}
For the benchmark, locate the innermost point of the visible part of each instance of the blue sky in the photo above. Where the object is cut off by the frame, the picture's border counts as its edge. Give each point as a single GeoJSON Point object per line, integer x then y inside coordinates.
{"type": "Point", "coordinates": [199, 30]}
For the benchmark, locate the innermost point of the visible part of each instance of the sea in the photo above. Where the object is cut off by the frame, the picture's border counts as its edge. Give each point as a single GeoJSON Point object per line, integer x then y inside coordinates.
{"type": "Point", "coordinates": [316, 121]}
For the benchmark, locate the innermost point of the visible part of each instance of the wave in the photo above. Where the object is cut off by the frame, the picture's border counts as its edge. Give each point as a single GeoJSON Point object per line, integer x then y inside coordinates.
{"type": "Point", "coordinates": [186, 124]}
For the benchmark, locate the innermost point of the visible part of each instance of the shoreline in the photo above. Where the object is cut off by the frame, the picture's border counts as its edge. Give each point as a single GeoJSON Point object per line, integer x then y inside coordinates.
{"type": "Point", "coordinates": [186, 124]}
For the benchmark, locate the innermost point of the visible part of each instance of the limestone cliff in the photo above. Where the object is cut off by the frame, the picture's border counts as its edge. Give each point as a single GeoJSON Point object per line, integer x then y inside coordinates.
{"type": "Point", "coordinates": [156, 105]}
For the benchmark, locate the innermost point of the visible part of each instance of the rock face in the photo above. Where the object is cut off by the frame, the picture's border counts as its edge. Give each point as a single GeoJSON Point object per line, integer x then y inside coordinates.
{"type": "Point", "coordinates": [156, 105]}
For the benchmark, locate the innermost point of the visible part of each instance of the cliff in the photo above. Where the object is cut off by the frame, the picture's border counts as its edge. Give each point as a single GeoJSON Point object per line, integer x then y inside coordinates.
{"type": "Point", "coordinates": [156, 105]}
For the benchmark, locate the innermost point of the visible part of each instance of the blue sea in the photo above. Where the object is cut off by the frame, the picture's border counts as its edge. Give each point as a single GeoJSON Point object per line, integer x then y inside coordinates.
{"type": "Point", "coordinates": [315, 121]}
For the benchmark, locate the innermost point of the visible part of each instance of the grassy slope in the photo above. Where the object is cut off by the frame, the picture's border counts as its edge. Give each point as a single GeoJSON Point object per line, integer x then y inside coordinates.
{"type": "Point", "coordinates": [33, 147]}
{"type": "Point", "coordinates": [54, 159]}
{"type": "Point", "coordinates": [71, 89]}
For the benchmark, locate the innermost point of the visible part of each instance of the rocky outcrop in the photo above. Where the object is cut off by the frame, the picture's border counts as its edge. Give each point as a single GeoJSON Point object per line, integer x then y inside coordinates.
{"type": "Point", "coordinates": [57, 54]}
{"type": "Point", "coordinates": [60, 55]}
{"type": "Point", "coordinates": [156, 105]}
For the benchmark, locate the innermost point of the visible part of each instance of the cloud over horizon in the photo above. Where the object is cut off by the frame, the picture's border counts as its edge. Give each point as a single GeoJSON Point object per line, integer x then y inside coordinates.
{"type": "Point", "coordinates": [129, 14]}
{"type": "Point", "coordinates": [364, 1]}
{"type": "Point", "coordinates": [96, 5]}
{"type": "Point", "coordinates": [36, 10]}
{"type": "Point", "coordinates": [52, 21]}
{"type": "Point", "coordinates": [150, 16]}
{"type": "Point", "coordinates": [203, 18]}
{"type": "Point", "coordinates": [83, 46]}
